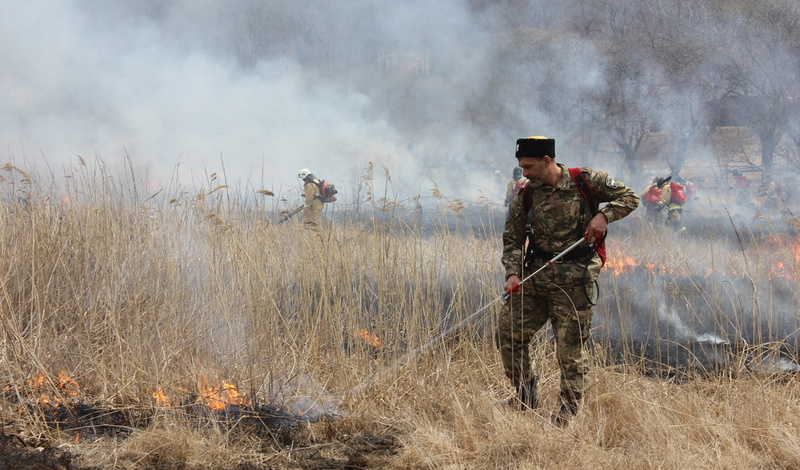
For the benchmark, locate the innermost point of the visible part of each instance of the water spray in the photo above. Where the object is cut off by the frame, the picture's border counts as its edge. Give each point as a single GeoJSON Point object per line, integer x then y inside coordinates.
{"type": "Point", "coordinates": [457, 327]}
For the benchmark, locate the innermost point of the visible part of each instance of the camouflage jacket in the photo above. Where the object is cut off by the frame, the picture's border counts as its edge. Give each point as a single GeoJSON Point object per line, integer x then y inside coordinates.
{"type": "Point", "coordinates": [557, 217]}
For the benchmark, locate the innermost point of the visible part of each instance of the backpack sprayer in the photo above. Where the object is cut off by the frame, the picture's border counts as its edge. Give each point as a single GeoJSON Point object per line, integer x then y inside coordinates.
{"type": "Point", "coordinates": [504, 297]}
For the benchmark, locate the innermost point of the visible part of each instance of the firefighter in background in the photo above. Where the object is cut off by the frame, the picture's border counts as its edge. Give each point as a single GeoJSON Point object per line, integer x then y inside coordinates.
{"type": "Point", "coordinates": [741, 188]}
{"type": "Point", "coordinates": [769, 196]}
{"type": "Point", "coordinates": [516, 183]}
{"type": "Point", "coordinates": [652, 199]}
{"type": "Point", "coordinates": [689, 189]}
{"type": "Point", "coordinates": [675, 198]}
{"type": "Point", "coordinates": [663, 194]}
{"type": "Point", "coordinates": [313, 199]}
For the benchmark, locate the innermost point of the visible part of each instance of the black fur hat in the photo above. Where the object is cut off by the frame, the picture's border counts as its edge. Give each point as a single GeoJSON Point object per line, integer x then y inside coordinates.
{"type": "Point", "coordinates": [536, 147]}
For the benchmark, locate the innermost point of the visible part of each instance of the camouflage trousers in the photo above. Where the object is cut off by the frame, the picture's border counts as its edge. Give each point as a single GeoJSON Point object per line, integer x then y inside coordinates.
{"type": "Point", "coordinates": [562, 297]}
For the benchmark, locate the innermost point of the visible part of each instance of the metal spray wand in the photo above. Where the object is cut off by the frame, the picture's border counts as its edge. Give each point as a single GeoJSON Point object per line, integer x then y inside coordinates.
{"type": "Point", "coordinates": [411, 354]}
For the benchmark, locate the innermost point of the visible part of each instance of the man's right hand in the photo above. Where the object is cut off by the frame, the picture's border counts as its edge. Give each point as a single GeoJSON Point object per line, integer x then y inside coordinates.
{"type": "Point", "coordinates": [512, 284]}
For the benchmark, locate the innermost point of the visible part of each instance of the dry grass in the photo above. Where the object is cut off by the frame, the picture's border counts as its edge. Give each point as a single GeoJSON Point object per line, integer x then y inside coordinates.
{"type": "Point", "coordinates": [128, 296]}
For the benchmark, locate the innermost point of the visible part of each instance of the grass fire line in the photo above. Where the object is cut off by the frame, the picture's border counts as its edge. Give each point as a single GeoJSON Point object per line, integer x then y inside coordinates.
{"type": "Point", "coordinates": [457, 327]}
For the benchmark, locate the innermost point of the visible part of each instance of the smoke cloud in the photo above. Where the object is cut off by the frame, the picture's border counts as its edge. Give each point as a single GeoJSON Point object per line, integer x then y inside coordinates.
{"type": "Point", "coordinates": [202, 85]}
{"type": "Point", "coordinates": [255, 90]}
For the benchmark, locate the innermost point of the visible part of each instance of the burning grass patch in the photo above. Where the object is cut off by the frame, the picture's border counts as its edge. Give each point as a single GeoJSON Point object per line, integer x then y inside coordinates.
{"type": "Point", "coordinates": [59, 405]}
{"type": "Point", "coordinates": [192, 436]}
{"type": "Point", "coordinates": [55, 410]}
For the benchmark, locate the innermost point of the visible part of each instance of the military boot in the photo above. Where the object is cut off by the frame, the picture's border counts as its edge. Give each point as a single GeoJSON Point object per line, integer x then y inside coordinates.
{"type": "Point", "coordinates": [528, 394]}
{"type": "Point", "coordinates": [570, 402]}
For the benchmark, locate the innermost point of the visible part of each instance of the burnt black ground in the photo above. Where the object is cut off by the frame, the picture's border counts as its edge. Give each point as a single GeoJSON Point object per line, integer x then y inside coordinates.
{"type": "Point", "coordinates": [17, 455]}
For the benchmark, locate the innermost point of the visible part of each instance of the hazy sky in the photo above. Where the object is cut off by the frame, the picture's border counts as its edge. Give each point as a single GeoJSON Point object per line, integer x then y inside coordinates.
{"type": "Point", "coordinates": [160, 80]}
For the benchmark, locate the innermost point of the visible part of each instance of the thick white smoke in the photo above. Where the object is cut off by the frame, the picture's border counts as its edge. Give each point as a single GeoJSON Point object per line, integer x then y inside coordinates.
{"type": "Point", "coordinates": [163, 84]}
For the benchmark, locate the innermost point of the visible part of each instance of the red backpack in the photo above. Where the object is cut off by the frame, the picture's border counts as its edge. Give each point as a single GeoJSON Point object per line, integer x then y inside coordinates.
{"type": "Point", "coordinates": [588, 199]}
{"type": "Point", "coordinates": [327, 191]}
{"type": "Point", "coordinates": [653, 195]}
{"type": "Point", "coordinates": [676, 193]}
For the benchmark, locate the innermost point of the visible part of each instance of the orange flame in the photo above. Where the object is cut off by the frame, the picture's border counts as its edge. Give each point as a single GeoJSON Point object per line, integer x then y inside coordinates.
{"type": "Point", "coordinates": [64, 387]}
{"type": "Point", "coordinates": [779, 269]}
{"type": "Point", "coordinates": [218, 398]}
{"type": "Point", "coordinates": [659, 270]}
{"type": "Point", "coordinates": [215, 397]}
{"type": "Point", "coordinates": [161, 398]}
{"type": "Point", "coordinates": [620, 264]}
{"type": "Point", "coordinates": [369, 338]}
{"type": "Point", "coordinates": [795, 247]}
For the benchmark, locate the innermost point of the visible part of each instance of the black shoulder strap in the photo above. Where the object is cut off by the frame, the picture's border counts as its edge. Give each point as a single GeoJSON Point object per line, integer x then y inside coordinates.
{"type": "Point", "coordinates": [319, 189]}
{"type": "Point", "coordinates": [527, 204]}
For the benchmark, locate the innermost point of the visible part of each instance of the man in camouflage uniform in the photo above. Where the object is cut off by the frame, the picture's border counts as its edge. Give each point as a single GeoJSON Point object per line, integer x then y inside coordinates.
{"type": "Point", "coordinates": [563, 292]}
{"type": "Point", "coordinates": [313, 199]}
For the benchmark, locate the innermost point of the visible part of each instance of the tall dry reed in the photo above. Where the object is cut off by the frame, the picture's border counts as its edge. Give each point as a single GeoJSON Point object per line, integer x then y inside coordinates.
{"type": "Point", "coordinates": [130, 293]}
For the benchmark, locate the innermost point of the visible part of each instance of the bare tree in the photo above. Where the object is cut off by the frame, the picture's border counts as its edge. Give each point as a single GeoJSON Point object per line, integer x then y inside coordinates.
{"type": "Point", "coordinates": [675, 34]}
{"type": "Point", "coordinates": [757, 91]}
{"type": "Point", "coordinates": [625, 104]}
{"type": "Point", "coordinates": [253, 31]}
